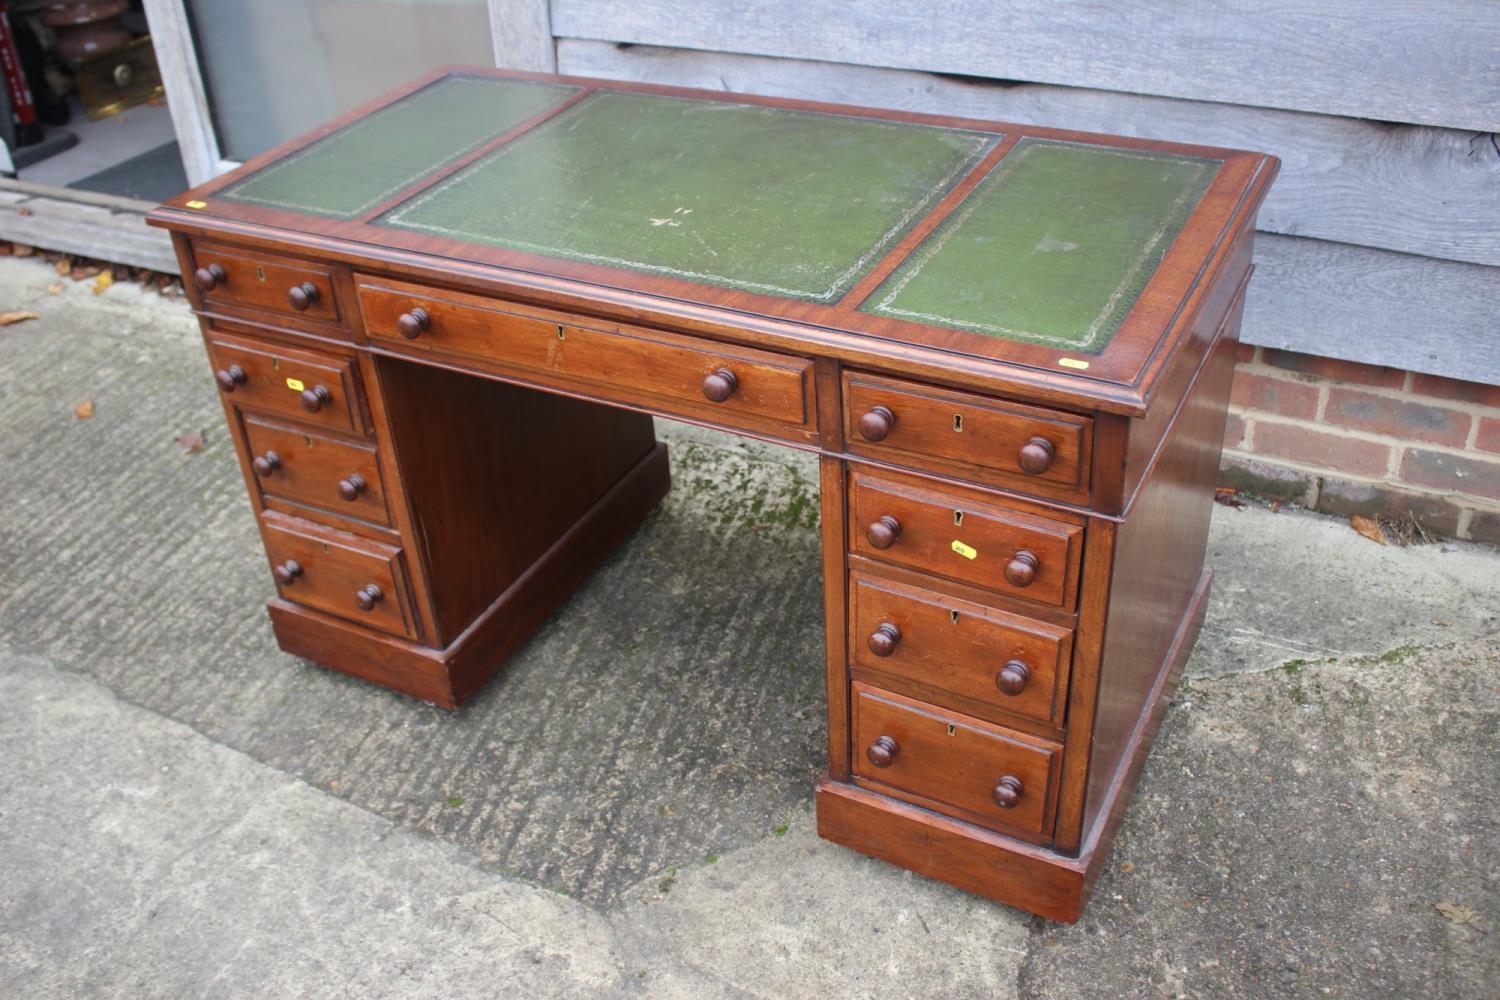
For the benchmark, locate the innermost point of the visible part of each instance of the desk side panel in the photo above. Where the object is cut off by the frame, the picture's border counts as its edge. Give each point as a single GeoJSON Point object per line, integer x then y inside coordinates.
{"type": "Point", "coordinates": [1159, 552]}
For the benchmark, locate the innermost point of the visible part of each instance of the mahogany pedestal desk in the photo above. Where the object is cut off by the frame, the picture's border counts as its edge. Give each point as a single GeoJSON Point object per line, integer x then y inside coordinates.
{"type": "Point", "coordinates": [442, 323]}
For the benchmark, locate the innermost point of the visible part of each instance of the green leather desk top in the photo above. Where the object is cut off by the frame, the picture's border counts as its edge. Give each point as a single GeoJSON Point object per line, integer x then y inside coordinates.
{"type": "Point", "coordinates": [952, 235]}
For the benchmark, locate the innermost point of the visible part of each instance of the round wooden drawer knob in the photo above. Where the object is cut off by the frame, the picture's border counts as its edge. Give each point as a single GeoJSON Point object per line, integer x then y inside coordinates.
{"type": "Point", "coordinates": [315, 398]}
{"type": "Point", "coordinates": [412, 325]}
{"type": "Point", "coordinates": [287, 572]}
{"type": "Point", "coordinates": [1021, 570]}
{"type": "Point", "coordinates": [1011, 678]}
{"type": "Point", "coordinates": [883, 640]}
{"type": "Point", "coordinates": [229, 378]}
{"type": "Point", "coordinates": [884, 532]}
{"type": "Point", "coordinates": [882, 751]}
{"type": "Point", "coordinates": [265, 465]}
{"type": "Point", "coordinates": [368, 597]}
{"type": "Point", "coordinates": [210, 277]}
{"type": "Point", "coordinates": [1036, 456]}
{"type": "Point", "coordinates": [352, 487]}
{"type": "Point", "coordinates": [303, 295]}
{"type": "Point", "coordinates": [1007, 793]}
{"type": "Point", "coordinates": [720, 385]}
{"type": "Point", "coordinates": [876, 424]}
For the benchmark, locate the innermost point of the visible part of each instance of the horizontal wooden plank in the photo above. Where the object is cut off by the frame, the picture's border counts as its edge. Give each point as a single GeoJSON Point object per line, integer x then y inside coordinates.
{"type": "Point", "coordinates": [1409, 188]}
{"type": "Point", "coordinates": [1430, 63]}
{"type": "Point", "coordinates": [84, 227]}
{"type": "Point", "coordinates": [1377, 307]}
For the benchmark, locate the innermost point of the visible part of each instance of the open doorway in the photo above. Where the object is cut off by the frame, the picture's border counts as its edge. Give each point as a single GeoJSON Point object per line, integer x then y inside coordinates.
{"type": "Point", "coordinates": [88, 111]}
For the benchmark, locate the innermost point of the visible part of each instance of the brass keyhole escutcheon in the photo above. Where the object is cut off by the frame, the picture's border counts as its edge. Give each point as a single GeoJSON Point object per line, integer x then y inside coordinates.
{"type": "Point", "coordinates": [325, 549]}
{"type": "Point", "coordinates": [952, 729]}
{"type": "Point", "coordinates": [560, 334]}
{"type": "Point", "coordinates": [260, 272]}
{"type": "Point", "coordinates": [953, 617]}
{"type": "Point", "coordinates": [958, 518]}
{"type": "Point", "coordinates": [275, 362]}
{"type": "Point", "coordinates": [958, 423]}
{"type": "Point", "coordinates": [308, 439]}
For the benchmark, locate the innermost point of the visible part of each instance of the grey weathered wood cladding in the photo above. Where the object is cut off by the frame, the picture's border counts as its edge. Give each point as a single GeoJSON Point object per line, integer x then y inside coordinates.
{"type": "Point", "coordinates": [1431, 63]}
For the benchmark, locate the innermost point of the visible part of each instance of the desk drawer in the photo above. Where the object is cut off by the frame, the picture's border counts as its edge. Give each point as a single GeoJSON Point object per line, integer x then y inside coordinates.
{"type": "Point", "coordinates": [1023, 447]}
{"type": "Point", "coordinates": [307, 467]}
{"type": "Point", "coordinates": [717, 383]}
{"type": "Point", "coordinates": [954, 763]}
{"type": "Point", "coordinates": [944, 646]}
{"type": "Point", "coordinates": [312, 388]}
{"type": "Point", "coordinates": [965, 535]}
{"type": "Point", "coordinates": [339, 573]}
{"type": "Point", "coordinates": [228, 275]}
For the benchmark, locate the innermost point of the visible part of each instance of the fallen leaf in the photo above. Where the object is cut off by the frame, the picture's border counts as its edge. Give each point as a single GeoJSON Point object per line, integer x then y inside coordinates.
{"type": "Point", "coordinates": [190, 443]}
{"type": "Point", "coordinates": [20, 316]}
{"type": "Point", "coordinates": [1227, 498]}
{"type": "Point", "coordinates": [84, 271]}
{"type": "Point", "coordinates": [23, 210]}
{"type": "Point", "coordinates": [63, 266]}
{"type": "Point", "coordinates": [102, 282]}
{"type": "Point", "coordinates": [1276, 505]}
{"type": "Point", "coordinates": [1459, 913]}
{"type": "Point", "coordinates": [84, 410]}
{"type": "Point", "coordinates": [55, 287]}
{"type": "Point", "coordinates": [1368, 527]}
{"type": "Point", "coordinates": [22, 250]}
{"type": "Point", "coordinates": [1127, 868]}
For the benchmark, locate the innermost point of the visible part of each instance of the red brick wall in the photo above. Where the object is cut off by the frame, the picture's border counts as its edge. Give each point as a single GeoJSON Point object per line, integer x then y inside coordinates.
{"type": "Point", "coordinates": [1347, 438]}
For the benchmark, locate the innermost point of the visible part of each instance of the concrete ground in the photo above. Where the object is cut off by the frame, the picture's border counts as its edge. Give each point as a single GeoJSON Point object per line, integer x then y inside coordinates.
{"type": "Point", "coordinates": [626, 810]}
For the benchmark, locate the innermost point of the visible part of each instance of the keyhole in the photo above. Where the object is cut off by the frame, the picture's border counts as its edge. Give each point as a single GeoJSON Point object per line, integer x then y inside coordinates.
{"type": "Point", "coordinates": [953, 617]}
{"type": "Point", "coordinates": [275, 362]}
{"type": "Point", "coordinates": [260, 272]}
{"type": "Point", "coordinates": [560, 335]}
{"type": "Point", "coordinates": [958, 518]}
{"type": "Point", "coordinates": [952, 729]}
{"type": "Point", "coordinates": [308, 439]}
{"type": "Point", "coordinates": [325, 552]}
{"type": "Point", "coordinates": [958, 423]}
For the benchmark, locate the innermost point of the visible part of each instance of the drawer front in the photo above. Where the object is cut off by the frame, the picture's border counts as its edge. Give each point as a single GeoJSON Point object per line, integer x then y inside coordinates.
{"type": "Point", "coordinates": [935, 641]}
{"type": "Point", "coordinates": [312, 468]}
{"type": "Point", "coordinates": [312, 388]}
{"type": "Point", "coordinates": [958, 764]}
{"type": "Point", "coordinates": [655, 369]}
{"type": "Point", "coordinates": [1023, 447]}
{"type": "Point", "coordinates": [959, 534]}
{"type": "Point", "coordinates": [339, 573]}
{"type": "Point", "coordinates": [226, 275]}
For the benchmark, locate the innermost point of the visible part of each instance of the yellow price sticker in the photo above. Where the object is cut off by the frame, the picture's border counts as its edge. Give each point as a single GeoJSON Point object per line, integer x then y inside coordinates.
{"type": "Point", "coordinates": [295, 384]}
{"type": "Point", "coordinates": [964, 550]}
{"type": "Point", "coordinates": [197, 204]}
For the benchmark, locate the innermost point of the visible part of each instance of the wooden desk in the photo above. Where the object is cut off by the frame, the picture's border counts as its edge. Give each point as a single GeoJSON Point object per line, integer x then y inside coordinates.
{"type": "Point", "coordinates": [442, 323]}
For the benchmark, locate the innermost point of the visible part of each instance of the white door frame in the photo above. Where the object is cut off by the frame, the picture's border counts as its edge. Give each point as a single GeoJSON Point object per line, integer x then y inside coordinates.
{"type": "Point", "coordinates": [521, 31]}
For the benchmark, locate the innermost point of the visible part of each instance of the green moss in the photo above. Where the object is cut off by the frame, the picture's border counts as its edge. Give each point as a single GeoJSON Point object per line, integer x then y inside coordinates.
{"type": "Point", "coordinates": [1293, 667]}
{"type": "Point", "coordinates": [781, 830]}
{"type": "Point", "coordinates": [1399, 654]}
